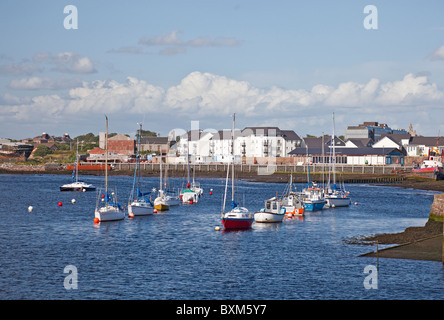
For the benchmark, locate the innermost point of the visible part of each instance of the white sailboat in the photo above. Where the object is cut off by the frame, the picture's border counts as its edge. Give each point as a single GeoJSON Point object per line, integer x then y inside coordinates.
{"type": "Point", "coordinates": [195, 185]}
{"type": "Point", "coordinates": [138, 202]}
{"type": "Point", "coordinates": [238, 217]}
{"type": "Point", "coordinates": [188, 195]}
{"type": "Point", "coordinates": [336, 196]}
{"type": "Point", "coordinates": [171, 196]}
{"type": "Point", "coordinates": [107, 207]}
{"type": "Point", "coordinates": [161, 203]}
{"type": "Point", "coordinates": [77, 185]}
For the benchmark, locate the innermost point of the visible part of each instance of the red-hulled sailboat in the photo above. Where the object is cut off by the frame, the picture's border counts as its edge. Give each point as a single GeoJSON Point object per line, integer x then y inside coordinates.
{"type": "Point", "coordinates": [238, 217]}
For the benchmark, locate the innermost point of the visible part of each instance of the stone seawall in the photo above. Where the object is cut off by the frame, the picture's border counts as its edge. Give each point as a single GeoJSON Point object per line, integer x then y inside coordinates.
{"type": "Point", "coordinates": [437, 209]}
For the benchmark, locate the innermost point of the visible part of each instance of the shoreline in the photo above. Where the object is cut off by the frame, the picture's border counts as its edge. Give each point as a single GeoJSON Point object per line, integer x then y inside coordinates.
{"type": "Point", "coordinates": [401, 181]}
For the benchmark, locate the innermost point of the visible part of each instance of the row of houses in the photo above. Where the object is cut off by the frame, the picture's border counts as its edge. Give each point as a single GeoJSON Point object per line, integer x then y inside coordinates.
{"type": "Point", "coordinates": [265, 145]}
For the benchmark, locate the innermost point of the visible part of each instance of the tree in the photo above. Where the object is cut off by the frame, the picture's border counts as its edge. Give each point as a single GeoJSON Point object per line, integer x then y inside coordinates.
{"type": "Point", "coordinates": [42, 151]}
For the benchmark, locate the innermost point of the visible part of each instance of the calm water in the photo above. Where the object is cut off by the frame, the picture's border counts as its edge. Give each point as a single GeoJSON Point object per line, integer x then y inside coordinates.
{"type": "Point", "coordinates": [178, 255]}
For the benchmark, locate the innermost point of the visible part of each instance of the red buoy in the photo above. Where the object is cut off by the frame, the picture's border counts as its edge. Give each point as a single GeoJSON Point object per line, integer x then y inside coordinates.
{"type": "Point", "coordinates": [60, 204]}
{"type": "Point", "coordinates": [191, 202]}
{"type": "Point", "coordinates": [96, 220]}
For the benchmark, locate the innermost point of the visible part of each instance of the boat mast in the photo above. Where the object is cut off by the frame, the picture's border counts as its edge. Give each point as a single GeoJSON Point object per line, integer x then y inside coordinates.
{"type": "Point", "coordinates": [334, 155]}
{"type": "Point", "coordinates": [232, 160]}
{"type": "Point", "coordinates": [106, 157]}
{"type": "Point", "coordinates": [77, 161]}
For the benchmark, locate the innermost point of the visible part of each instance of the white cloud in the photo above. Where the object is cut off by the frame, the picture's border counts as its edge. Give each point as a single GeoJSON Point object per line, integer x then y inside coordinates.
{"type": "Point", "coordinates": [37, 83]}
{"type": "Point", "coordinates": [438, 54]}
{"type": "Point", "coordinates": [67, 62]}
{"type": "Point", "coordinates": [170, 39]}
{"type": "Point", "coordinates": [210, 96]}
{"type": "Point", "coordinates": [175, 45]}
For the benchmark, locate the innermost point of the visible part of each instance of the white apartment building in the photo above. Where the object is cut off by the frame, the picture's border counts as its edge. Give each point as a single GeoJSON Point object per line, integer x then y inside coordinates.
{"type": "Point", "coordinates": [251, 142]}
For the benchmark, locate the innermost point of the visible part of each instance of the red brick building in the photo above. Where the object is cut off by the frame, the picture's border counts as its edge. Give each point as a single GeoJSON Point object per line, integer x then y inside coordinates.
{"type": "Point", "coordinates": [121, 144]}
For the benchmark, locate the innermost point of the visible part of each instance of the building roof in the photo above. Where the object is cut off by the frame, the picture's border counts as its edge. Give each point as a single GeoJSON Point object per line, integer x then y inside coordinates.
{"type": "Point", "coordinates": [96, 150]}
{"type": "Point", "coordinates": [119, 137]}
{"type": "Point", "coordinates": [270, 131]}
{"type": "Point", "coordinates": [427, 141]}
{"type": "Point", "coordinates": [396, 137]}
{"type": "Point", "coordinates": [314, 142]}
{"type": "Point", "coordinates": [226, 134]}
{"type": "Point", "coordinates": [347, 151]}
{"type": "Point", "coordinates": [154, 140]}
{"type": "Point", "coordinates": [361, 142]}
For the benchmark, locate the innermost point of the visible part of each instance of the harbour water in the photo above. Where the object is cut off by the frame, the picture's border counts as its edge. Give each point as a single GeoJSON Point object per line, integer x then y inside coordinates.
{"type": "Point", "coordinates": [178, 254]}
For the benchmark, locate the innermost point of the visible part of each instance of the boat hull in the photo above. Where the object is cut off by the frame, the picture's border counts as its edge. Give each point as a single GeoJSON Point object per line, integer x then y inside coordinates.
{"type": "Point", "coordinates": [77, 189]}
{"type": "Point", "coordinates": [77, 186]}
{"type": "Point", "coordinates": [268, 217]}
{"type": "Point", "coordinates": [290, 210]}
{"type": "Point", "coordinates": [109, 214]}
{"type": "Point", "coordinates": [436, 173]}
{"type": "Point", "coordinates": [235, 223]}
{"type": "Point", "coordinates": [161, 207]}
{"type": "Point", "coordinates": [337, 201]}
{"type": "Point", "coordinates": [314, 205]}
{"type": "Point", "coordinates": [139, 209]}
{"type": "Point", "coordinates": [238, 218]}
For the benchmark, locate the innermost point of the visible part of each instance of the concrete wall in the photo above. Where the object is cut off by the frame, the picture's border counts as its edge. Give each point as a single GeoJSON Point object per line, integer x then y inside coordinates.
{"type": "Point", "coordinates": [437, 209]}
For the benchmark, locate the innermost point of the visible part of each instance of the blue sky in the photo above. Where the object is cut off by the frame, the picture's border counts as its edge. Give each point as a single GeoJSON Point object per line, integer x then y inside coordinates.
{"type": "Point", "coordinates": [280, 63]}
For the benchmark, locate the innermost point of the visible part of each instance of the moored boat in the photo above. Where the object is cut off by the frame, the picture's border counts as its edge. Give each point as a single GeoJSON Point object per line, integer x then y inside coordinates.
{"type": "Point", "coordinates": [77, 185]}
{"type": "Point", "coordinates": [238, 217]}
{"type": "Point", "coordinates": [292, 201]}
{"type": "Point", "coordinates": [138, 203]}
{"type": "Point", "coordinates": [335, 195]}
{"type": "Point", "coordinates": [313, 198]}
{"type": "Point", "coordinates": [431, 168]}
{"type": "Point", "coordinates": [107, 207]}
{"type": "Point", "coordinates": [273, 211]}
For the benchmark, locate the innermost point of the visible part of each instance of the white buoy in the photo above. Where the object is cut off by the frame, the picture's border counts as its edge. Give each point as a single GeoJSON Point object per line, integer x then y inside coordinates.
{"type": "Point", "coordinates": [356, 203]}
{"type": "Point", "coordinates": [84, 190]}
{"type": "Point", "coordinates": [73, 201]}
{"type": "Point", "coordinates": [217, 228]}
{"type": "Point", "coordinates": [333, 206]}
{"type": "Point", "coordinates": [30, 208]}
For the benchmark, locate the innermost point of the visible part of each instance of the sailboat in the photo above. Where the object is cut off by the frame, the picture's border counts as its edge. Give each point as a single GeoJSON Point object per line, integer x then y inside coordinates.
{"type": "Point", "coordinates": [188, 195]}
{"type": "Point", "coordinates": [107, 207]}
{"type": "Point", "coordinates": [195, 185]}
{"type": "Point", "coordinates": [138, 203]}
{"type": "Point", "coordinates": [160, 203]}
{"type": "Point", "coordinates": [238, 217]}
{"type": "Point", "coordinates": [312, 196]}
{"type": "Point", "coordinates": [171, 196]}
{"type": "Point", "coordinates": [77, 185]}
{"type": "Point", "coordinates": [335, 195]}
